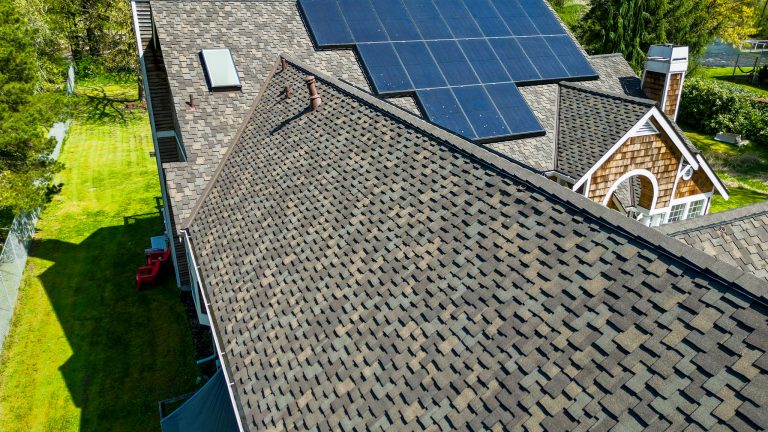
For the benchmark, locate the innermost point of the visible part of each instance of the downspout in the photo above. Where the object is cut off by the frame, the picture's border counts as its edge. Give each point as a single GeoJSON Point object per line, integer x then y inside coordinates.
{"type": "Point", "coordinates": [222, 358]}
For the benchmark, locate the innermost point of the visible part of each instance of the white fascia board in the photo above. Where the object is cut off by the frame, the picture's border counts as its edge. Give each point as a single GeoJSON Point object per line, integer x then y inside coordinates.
{"type": "Point", "coordinates": [613, 149]}
{"type": "Point", "coordinates": [715, 179]}
{"type": "Point", "coordinates": [672, 134]}
{"type": "Point", "coordinates": [137, 29]}
{"type": "Point", "coordinates": [227, 378]}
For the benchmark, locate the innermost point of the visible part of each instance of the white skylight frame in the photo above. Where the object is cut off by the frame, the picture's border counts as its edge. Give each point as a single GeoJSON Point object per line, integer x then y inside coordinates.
{"type": "Point", "coordinates": [220, 69]}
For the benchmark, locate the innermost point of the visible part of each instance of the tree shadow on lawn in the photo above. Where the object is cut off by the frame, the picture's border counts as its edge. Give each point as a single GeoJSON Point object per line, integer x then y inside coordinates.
{"type": "Point", "coordinates": [95, 105]}
{"type": "Point", "coordinates": [130, 348]}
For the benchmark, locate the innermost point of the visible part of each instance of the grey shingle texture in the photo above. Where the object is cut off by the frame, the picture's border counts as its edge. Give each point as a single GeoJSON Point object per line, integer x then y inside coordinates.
{"type": "Point", "coordinates": [590, 123]}
{"type": "Point", "coordinates": [258, 31]}
{"type": "Point", "coordinates": [366, 271]}
{"type": "Point", "coordinates": [738, 237]}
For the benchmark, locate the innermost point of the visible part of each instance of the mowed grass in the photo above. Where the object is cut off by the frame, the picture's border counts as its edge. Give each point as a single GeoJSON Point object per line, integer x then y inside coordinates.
{"type": "Point", "coordinates": [744, 170]}
{"type": "Point", "coordinates": [86, 351]}
{"type": "Point", "coordinates": [739, 78]}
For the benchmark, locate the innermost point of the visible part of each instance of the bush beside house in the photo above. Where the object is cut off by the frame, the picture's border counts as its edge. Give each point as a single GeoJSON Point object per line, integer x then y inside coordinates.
{"type": "Point", "coordinates": [711, 107]}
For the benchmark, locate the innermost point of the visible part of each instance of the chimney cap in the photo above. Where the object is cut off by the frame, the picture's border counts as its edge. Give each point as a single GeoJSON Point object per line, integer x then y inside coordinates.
{"type": "Point", "coordinates": [667, 58]}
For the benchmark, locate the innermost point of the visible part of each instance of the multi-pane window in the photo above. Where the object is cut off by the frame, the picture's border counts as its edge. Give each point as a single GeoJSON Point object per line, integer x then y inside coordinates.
{"type": "Point", "coordinates": [695, 208]}
{"type": "Point", "coordinates": [677, 213]}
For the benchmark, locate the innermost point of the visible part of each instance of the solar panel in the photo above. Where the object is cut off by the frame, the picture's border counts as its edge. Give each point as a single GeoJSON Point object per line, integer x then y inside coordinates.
{"type": "Point", "coordinates": [481, 112]}
{"type": "Point", "coordinates": [442, 108]}
{"type": "Point", "coordinates": [420, 65]}
{"type": "Point", "coordinates": [384, 67]}
{"type": "Point", "coordinates": [328, 25]}
{"type": "Point", "coordinates": [462, 58]}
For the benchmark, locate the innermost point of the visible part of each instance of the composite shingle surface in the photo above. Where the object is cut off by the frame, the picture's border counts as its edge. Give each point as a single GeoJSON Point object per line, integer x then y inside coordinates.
{"type": "Point", "coordinates": [256, 31]}
{"type": "Point", "coordinates": [366, 271]}
{"type": "Point", "coordinates": [590, 123]}
{"type": "Point", "coordinates": [738, 237]}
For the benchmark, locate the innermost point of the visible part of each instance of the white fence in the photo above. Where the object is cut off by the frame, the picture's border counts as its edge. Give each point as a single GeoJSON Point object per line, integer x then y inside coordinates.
{"type": "Point", "coordinates": [13, 259]}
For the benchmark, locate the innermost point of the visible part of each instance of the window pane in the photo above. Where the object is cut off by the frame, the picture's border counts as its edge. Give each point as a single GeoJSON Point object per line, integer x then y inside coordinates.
{"type": "Point", "coordinates": [676, 213]}
{"type": "Point", "coordinates": [694, 210]}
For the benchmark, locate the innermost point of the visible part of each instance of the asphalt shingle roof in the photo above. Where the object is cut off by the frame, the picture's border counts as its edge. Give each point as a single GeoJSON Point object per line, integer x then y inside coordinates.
{"type": "Point", "coordinates": [738, 237]}
{"type": "Point", "coordinates": [590, 123]}
{"type": "Point", "coordinates": [368, 271]}
{"type": "Point", "coordinates": [256, 31]}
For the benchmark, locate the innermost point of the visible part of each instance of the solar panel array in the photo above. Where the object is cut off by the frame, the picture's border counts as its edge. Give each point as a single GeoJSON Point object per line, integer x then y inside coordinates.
{"type": "Point", "coordinates": [461, 58]}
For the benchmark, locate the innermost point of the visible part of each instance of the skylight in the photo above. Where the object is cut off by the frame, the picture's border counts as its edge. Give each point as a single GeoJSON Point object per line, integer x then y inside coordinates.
{"type": "Point", "coordinates": [220, 69]}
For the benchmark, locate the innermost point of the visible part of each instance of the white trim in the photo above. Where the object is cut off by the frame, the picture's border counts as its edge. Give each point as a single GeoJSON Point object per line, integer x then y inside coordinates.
{"type": "Point", "coordinates": [636, 172]}
{"type": "Point", "coordinates": [689, 199]}
{"type": "Point", "coordinates": [672, 134]}
{"type": "Point", "coordinates": [137, 28]}
{"type": "Point", "coordinates": [663, 122]}
{"type": "Point", "coordinates": [646, 129]}
{"type": "Point", "coordinates": [679, 96]}
{"type": "Point", "coordinates": [195, 285]}
{"type": "Point", "coordinates": [715, 179]}
{"type": "Point", "coordinates": [664, 92]}
{"type": "Point", "coordinates": [216, 342]}
{"type": "Point", "coordinates": [677, 177]}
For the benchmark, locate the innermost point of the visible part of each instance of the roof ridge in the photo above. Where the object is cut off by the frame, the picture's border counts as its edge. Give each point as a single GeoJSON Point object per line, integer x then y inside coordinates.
{"type": "Point", "coordinates": [230, 149]}
{"type": "Point", "coordinates": [742, 282]}
{"type": "Point", "coordinates": [715, 219]}
{"type": "Point", "coordinates": [585, 89]}
{"type": "Point", "coordinates": [606, 55]}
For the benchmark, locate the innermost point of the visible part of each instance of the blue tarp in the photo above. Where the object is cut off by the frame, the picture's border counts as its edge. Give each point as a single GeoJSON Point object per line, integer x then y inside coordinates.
{"type": "Point", "coordinates": [208, 410]}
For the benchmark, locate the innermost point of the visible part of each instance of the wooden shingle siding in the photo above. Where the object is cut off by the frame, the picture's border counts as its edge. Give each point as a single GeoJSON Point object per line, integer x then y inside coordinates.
{"type": "Point", "coordinates": [698, 184]}
{"type": "Point", "coordinates": [653, 85]}
{"type": "Point", "coordinates": [673, 94]}
{"type": "Point", "coordinates": [655, 153]}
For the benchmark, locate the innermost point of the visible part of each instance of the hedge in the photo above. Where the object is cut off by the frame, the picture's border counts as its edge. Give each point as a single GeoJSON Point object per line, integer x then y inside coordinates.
{"type": "Point", "coordinates": [712, 106]}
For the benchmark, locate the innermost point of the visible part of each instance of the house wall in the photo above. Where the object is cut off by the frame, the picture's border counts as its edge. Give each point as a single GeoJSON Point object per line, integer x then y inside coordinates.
{"type": "Point", "coordinates": [674, 88]}
{"type": "Point", "coordinates": [698, 184]}
{"type": "Point", "coordinates": [655, 153]}
{"type": "Point", "coordinates": [653, 85]}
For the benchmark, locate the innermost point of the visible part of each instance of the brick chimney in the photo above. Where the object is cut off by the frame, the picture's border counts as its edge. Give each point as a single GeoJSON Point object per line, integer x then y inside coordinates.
{"type": "Point", "coordinates": [663, 76]}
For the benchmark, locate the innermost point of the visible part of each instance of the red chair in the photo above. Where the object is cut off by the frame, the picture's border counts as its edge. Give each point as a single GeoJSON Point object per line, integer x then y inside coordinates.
{"type": "Point", "coordinates": [148, 274]}
{"type": "Point", "coordinates": [161, 256]}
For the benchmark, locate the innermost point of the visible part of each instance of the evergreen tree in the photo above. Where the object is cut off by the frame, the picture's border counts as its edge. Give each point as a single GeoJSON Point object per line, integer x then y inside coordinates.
{"type": "Point", "coordinates": [25, 168]}
{"type": "Point", "coordinates": [630, 26]}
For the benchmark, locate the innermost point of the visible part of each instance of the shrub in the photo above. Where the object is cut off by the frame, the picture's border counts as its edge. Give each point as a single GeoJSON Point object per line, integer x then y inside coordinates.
{"type": "Point", "coordinates": [712, 106]}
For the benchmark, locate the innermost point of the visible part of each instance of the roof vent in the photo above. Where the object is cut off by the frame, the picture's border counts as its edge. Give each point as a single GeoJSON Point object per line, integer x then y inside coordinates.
{"type": "Point", "coordinates": [646, 129]}
{"type": "Point", "coordinates": [220, 69]}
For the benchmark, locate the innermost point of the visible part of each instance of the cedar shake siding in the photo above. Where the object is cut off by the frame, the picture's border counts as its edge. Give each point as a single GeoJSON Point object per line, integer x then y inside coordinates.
{"type": "Point", "coordinates": [655, 153]}
{"type": "Point", "coordinates": [698, 184]}
{"type": "Point", "coordinates": [673, 94]}
{"type": "Point", "coordinates": [653, 86]}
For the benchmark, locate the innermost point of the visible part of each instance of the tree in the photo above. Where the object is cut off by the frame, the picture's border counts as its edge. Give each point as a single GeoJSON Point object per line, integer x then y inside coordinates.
{"type": "Point", "coordinates": [26, 170]}
{"type": "Point", "coordinates": [97, 33]}
{"type": "Point", "coordinates": [630, 26]}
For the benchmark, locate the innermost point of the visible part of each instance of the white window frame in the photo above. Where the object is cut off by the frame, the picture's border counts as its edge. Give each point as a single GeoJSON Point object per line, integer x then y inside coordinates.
{"type": "Point", "coordinates": [703, 203]}
{"type": "Point", "coordinates": [687, 201]}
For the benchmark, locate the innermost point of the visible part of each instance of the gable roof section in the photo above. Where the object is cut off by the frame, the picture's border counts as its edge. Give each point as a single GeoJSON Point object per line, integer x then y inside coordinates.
{"type": "Point", "coordinates": [590, 123]}
{"type": "Point", "coordinates": [738, 237]}
{"type": "Point", "coordinates": [367, 270]}
{"type": "Point", "coordinates": [256, 31]}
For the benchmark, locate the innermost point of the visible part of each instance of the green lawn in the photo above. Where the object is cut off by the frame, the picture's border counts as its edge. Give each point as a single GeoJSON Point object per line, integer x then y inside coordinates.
{"type": "Point", "coordinates": [726, 74]}
{"type": "Point", "coordinates": [87, 351]}
{"type": "Point", "coordinates": [571, 12]}
{"type": "Point", "coordinates": [743, 169]}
